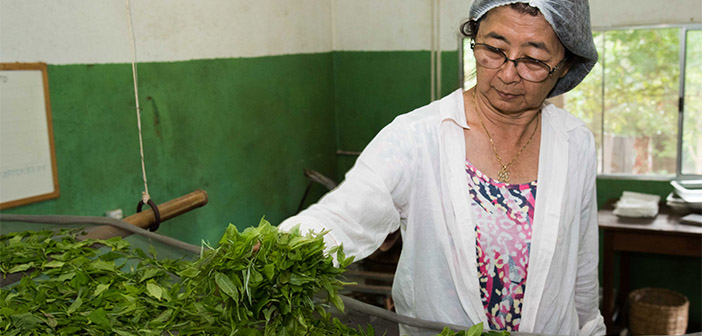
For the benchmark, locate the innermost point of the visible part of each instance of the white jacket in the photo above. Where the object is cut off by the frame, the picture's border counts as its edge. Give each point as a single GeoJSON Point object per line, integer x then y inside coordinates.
{"type": "Point", "coordinates": [412, 176]}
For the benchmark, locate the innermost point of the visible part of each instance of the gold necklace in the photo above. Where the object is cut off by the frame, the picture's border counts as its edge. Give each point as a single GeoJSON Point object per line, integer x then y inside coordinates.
{"type": "Point", "coordinates": [503, 174]}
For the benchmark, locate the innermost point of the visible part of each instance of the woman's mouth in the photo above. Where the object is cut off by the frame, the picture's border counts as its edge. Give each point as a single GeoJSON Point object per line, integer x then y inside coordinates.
{"type": "Point", "coordinates": [506, 96]}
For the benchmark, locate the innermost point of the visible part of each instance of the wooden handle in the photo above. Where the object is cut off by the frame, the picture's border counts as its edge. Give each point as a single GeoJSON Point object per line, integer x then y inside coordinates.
{"type": "Point", "coordinates": [170, 209]}
{"type": "Point", "coordinates": [145, 218]}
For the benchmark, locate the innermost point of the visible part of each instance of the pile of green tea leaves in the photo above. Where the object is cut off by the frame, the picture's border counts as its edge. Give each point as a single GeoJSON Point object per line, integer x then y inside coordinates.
{"type": "Point", "coordinates": [257, 282]}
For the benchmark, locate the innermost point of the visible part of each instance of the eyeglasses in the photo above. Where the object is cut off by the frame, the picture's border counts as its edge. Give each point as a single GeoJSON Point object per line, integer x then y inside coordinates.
{"type": "Point", "coordinates": [528, 68]}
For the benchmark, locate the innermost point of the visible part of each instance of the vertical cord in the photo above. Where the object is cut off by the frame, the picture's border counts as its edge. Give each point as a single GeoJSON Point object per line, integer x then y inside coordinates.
{"type": "Point", "coordinates": [333, 26]}
{"type": "Point", "coordinates": [144, 195]}
{"type": "Point", "coordinates": [435, 60]}
{"type": "Point", "coordinates": [432, 57]}
{"type": "Point", "coordinates": [602, 105]}
{"type": "Point", "coordinates": [438, 49]}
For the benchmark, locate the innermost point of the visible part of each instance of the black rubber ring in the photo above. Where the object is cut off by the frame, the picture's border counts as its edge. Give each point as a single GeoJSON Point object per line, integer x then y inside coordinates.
{"type": "Point", "coordinates": [157, 214]}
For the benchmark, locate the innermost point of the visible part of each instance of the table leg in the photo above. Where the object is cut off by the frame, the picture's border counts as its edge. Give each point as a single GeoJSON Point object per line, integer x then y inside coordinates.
{"type": "Point", "coordinates": [623, 292]}
{"type": "Point", "coordinates": [608, 282]}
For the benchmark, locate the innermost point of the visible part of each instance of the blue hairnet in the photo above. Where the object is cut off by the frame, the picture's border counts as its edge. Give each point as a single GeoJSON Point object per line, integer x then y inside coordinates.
{"type": "Point", "coordinates": [570, 19]}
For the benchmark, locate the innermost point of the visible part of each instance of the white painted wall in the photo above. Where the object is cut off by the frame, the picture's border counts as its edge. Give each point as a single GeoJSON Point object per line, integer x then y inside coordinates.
{"type": "Point", "coordinates": [394, 24]}
{"type": "Point", "coordinates": [382, 24]}
{"type": "Point", "coordinates": [406, 24]}
{"type": "Point", "coordinates": [618, 13]}
{"type": "Point", "coordinates": [89, 31]}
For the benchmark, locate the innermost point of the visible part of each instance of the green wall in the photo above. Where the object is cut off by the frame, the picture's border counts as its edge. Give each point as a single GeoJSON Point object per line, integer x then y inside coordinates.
{"type": "Point", "coordinates": [372, 88]}
{"type": "Point", "coordinates": [241, 129]}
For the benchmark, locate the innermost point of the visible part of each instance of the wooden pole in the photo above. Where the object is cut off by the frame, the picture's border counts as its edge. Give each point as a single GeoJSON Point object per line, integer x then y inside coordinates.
{"type": "Point", "coordinates": [145, 218]}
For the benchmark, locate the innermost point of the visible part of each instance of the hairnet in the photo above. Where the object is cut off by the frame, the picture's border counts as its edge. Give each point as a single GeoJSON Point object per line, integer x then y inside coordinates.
{"type": "Point", "coordinates": [570, 19]}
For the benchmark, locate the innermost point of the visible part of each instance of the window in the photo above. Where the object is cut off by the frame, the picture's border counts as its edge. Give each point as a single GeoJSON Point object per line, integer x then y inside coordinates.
{"type": "Point", "coordinates": [691, 152]}
{"type": "Point", "coordinates": [642, 100]}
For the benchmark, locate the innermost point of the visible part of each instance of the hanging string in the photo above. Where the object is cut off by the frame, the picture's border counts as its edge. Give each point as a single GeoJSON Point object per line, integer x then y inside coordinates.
{"type": "Point", "coordinates": [144, 195]}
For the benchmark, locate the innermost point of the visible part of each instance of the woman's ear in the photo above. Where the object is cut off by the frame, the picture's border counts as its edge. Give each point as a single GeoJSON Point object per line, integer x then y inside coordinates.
{"type": "Point", "coordinates": [566, 68]}
{"type": "Point", "coordinates": [570, 62]}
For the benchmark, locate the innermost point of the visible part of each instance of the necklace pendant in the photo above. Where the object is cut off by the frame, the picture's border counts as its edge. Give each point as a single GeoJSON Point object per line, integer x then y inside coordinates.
{"type": "Point", "coordinates": [503, 175]}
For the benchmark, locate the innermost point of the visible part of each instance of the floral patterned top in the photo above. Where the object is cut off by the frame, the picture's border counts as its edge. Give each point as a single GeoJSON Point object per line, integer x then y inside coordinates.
{"type": "Point", "coordinates": [504, 214]}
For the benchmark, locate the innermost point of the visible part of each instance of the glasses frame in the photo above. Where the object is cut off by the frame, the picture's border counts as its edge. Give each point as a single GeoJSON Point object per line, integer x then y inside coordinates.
{"type": "Point", "coordinates": [520, 59]}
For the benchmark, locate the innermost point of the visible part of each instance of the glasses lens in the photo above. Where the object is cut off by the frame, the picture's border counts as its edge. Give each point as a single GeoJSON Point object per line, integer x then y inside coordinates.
{"type": "Point", "coordinates": [493, 58]}
{"type": "Point", "coordinates": [488, 57]}
{"type": "Point", "coordinates": [532, 70]}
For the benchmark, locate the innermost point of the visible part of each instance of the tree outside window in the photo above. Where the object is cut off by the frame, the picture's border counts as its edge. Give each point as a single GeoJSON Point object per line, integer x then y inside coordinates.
{"type": "Point", "coordinates": [692, 121]}
{"type": "Point", "coordinates": [631, 101]}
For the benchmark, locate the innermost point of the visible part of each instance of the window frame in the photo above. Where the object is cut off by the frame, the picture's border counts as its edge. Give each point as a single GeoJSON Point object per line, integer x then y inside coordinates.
{"type": "Point", "coordinates": [684, 28]}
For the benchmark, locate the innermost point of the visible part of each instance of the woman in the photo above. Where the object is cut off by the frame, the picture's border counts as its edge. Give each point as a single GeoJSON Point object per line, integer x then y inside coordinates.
{"type": "Point", "coordinates": [459, 177]}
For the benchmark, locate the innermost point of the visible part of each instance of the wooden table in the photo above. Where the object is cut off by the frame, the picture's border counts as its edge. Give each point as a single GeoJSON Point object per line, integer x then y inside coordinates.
{"type": "Point", "coordinates": [660, 235]}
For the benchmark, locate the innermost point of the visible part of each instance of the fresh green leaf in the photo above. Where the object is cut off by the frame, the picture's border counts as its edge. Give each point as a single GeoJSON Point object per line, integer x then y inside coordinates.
{"type": "Point", "coordinates": [54, 263]}
{"type": "Point", "coordinates": [149, 273]}
{"type": "Point", "coordinates": [189, 272]}
{"type": "Point", "coordinates": [100, 289]}
{"type": "Point", "coordinates": [75, 305]}
{"type": "Point", "coordinates": [269, 271]}
{"type": "Point", "coordinates": [26, 321]}
{"type": "Point", "coordinates": [66, 276]}
{"type": "Point", "coordinates": [21, 268]}
{"type": "Point", "coordinates": [99, 316]}
{"type": "Point", "coordinates": [475, 330]}
{"type": "Point", "coordinates": [336, 301]}
{"type": "Point", "coordinates": [154, 290]}
{"type": "Point", "coordinates": [227, 286]}
{"type": "Point", "coordinates": [163, 317]}
{"type": "Point", "coordinates": [103, 265]}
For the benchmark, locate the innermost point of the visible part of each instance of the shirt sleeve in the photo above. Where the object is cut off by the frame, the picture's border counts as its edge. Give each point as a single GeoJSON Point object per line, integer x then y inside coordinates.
{"type": "Point", "coordinates": [369, 203]}
{"type": "Point", "coordinates": [587, 283]}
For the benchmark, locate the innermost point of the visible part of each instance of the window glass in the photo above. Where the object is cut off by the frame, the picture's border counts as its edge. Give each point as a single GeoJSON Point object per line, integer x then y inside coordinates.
{"type": "Point", "coordinates": [468, 65]}
{"type": "Point", "coordinates": [692, 120]}
{"type": "Point", "coordinates": [585, 101]}
{"type": "Point", "coordinates": [630, 101]}
{"type": "Point", "coordinates": [641, 85]}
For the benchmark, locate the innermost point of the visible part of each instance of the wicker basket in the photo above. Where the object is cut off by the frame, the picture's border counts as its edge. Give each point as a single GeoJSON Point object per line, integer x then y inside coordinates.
{"type": "Point", "coordinates": [657, 311]}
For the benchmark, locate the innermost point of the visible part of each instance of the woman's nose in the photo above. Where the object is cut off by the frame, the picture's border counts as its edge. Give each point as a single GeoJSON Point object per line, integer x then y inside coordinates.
{"type": "Point", "coordinates": [508, 72]}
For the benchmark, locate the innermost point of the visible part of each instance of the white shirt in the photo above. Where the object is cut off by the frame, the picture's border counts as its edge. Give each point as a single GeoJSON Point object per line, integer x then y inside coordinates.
{"type": "Point", "coordinates": [412, 176]}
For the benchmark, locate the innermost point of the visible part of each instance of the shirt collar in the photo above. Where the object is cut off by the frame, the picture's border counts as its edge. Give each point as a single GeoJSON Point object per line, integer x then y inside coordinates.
{"type": "Point", "coordinates": [452, 108]}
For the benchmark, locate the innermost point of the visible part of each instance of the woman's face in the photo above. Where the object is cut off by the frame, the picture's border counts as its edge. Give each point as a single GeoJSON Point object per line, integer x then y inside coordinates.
{"type": "Point", "coordinates": [517, 35]}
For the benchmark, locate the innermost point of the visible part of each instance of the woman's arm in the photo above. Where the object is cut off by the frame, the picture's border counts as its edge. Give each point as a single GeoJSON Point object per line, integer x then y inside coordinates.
{"type": "Point", "coordinates": [367, 205]}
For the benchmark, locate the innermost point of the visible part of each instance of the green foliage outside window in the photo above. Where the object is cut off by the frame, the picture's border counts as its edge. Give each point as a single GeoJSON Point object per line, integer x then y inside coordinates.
{"type": "Point", "coordinates": [635, 88]}
{"type": "Point", "coordinates": [692, 128]}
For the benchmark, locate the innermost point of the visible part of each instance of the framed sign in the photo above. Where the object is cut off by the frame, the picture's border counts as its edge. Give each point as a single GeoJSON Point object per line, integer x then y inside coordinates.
{"type": "Point", "coordinates": [27, 156]}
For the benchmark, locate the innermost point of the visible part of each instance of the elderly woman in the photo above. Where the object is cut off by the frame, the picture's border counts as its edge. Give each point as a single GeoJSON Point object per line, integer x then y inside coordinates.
{"type": "Point", "coordinates": [460, 177]}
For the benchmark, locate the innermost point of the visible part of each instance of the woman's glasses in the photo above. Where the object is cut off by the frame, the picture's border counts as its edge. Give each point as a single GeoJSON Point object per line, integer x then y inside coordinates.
{"type": "Point", "coordinates": [528, 68]}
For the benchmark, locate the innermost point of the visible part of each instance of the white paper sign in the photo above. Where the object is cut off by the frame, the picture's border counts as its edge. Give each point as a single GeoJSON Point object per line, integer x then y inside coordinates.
{"type": "Point", "coordinates": [26, 167]}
